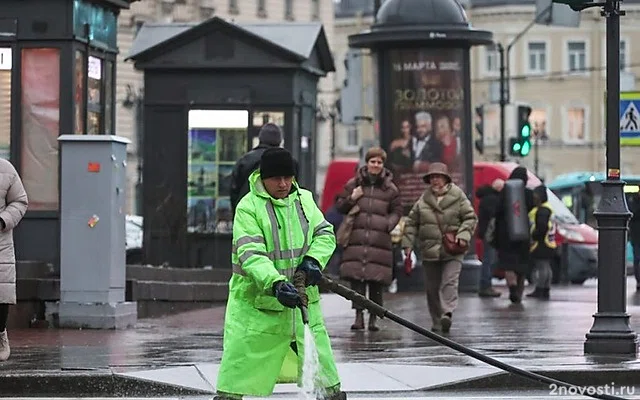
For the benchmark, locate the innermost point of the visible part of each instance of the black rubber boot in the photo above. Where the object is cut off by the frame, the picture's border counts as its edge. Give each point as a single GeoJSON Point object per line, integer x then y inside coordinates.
{"type": "Point", "coordinates": [537, 293]}
{"type": "Point", "coordinates": [513, 294]}
{"type": "Point", "coordinates": [545, 294]}
{"type": "Point", "coordinates": [225, 397]}
{"type": "Point", "coordinates": [336, 396]}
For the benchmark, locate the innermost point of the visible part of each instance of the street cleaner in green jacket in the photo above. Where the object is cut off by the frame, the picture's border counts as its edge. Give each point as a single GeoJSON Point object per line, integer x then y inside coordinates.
{"type": "Point", "coordinates": [277, 230]}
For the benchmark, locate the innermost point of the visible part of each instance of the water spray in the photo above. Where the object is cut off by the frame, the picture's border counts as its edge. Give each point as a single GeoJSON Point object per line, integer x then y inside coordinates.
{"type": "Point", "coordinates": [382, 313]}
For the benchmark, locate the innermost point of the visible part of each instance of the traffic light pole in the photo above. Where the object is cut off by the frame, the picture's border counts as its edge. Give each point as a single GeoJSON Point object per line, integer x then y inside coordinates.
{"type": "Point", "coordinates": [536, 155]}
{"type": "Point", "coordinates": [505, 77]}
{"type": "Point", "coordinates": [503, 103]}
{"type": "Point", "coordinates": [611, 332]}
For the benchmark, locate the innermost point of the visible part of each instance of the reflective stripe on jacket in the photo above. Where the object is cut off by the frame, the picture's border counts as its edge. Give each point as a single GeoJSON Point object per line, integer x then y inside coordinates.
{"type": "Point", "coordinates": [544, 244]}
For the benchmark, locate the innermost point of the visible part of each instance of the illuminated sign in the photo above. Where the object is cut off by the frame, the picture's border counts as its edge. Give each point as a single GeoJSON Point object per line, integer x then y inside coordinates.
{"type": "Point", "coordinates": [6, 59]}
{"type": "Point", "coordinates": [631, 188]}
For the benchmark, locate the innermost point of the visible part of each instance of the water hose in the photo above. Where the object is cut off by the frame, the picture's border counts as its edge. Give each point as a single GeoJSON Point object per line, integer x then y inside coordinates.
{"type": "Point", "coordinates": [299, 282]}
{"type": "Point", "coordinates": [382, 313]}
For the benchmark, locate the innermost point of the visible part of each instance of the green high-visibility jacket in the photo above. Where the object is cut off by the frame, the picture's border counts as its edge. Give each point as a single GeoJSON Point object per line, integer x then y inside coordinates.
{"type": "Point", "coordinates": [270, 238]}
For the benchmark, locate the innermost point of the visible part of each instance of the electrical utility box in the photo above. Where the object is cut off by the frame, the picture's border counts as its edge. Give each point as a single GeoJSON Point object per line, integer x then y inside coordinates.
{"type": "Point", "coordinates": [92, 232]}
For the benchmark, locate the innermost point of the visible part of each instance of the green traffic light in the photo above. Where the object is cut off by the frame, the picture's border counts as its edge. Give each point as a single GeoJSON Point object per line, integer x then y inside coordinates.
{"type": "Point", "coordinates": [526, 148]}
{"type": "Point", "coordinates": [526, 131]}
{"type": "Point", "coordinates": [516, 147]}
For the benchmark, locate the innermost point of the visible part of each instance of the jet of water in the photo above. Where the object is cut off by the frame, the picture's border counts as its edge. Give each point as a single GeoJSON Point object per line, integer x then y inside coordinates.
{"type": "Point", "coordinates": [311, 387]}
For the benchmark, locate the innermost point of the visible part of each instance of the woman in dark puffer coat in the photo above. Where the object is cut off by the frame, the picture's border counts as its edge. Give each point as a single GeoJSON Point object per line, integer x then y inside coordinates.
{"type": "Point", "coordinates": [368, 258]}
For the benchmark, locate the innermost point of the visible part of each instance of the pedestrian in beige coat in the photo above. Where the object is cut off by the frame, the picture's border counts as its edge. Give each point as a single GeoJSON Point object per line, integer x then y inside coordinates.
{"type": "Point", "coordinates": [13, 205]}
{"type": "Point", "coordinates": [443, 207]}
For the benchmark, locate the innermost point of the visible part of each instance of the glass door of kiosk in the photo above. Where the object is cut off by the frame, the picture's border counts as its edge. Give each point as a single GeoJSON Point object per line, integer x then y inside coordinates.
{"type": "Point", "coordinates": [217, 139]}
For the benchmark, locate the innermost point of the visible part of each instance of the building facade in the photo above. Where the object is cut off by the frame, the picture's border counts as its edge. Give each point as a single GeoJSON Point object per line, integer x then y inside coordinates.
{"type": "Point", "coordinates": [130, 82]}
{"type": "Point", "coordinates": [355, 85]}
{"type": "Point", "coordinates": [559, 71]}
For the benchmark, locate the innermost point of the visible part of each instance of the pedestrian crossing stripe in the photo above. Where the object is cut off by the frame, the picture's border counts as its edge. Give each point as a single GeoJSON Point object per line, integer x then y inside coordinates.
{"type": "Point", "coordinates": [630, 121]}
{"type": "Point", "coordinates": [629, 118]}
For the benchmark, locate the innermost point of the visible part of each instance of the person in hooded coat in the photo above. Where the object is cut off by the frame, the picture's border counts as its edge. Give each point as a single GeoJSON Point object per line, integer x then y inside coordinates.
{"type": "Point", "coordinates": [513, 256]}
{"type": "Point", "coordinates": [367, 260]}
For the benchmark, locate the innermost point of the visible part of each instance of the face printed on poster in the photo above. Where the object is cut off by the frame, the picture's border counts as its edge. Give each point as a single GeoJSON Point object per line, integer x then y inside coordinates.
{"type": "Point", "coordinates": [427, 116]}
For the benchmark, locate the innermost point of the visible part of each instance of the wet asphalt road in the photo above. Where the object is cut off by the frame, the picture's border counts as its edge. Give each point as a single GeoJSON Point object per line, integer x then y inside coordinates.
{"type": "Point", "coordinates": [533, 334]}
{"type": "Point", "coordinates": [528, 395]}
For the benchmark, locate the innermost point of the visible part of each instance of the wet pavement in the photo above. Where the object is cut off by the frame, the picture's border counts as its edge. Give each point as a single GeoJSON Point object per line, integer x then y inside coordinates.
{"type": "Point", "coordinates": [534, 395]}
{"type": "Point", "coordinates": [184, 349]}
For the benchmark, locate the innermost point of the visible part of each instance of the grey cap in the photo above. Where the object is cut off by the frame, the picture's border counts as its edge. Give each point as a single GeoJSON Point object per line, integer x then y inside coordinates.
{"type": "Point", "coordinates": [270, 134]}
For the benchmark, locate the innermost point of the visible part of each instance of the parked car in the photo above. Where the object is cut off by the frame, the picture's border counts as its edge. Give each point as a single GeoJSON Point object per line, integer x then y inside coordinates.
{"type": "Point", "coordinates": [133, 239]}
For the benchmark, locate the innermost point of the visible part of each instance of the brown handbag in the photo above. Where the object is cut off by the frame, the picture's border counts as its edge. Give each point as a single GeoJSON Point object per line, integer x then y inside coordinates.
{"type": "Point", "coordinates": [344, 231]}
{"type": "Point", "coordinates": [449, 241]}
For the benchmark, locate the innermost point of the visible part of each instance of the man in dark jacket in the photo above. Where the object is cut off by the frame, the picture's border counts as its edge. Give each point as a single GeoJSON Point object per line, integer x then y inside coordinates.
{"type": "Point", "coordinates": [489, 196]}
{"type": "Point", "coordinates": [513, 256]}
{"type": "Point", "coordinates": [634, 236]}
{"type": "Point", "coordinates": [543, 242]}
{"type": "Point", "coordinates": [270, 135]}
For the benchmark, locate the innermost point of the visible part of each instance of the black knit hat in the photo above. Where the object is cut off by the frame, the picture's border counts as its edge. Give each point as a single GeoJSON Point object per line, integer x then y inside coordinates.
{"type": "Point", "coordinates": [276, 162]}
{"type": "Point", "coordinates": [270, 134]}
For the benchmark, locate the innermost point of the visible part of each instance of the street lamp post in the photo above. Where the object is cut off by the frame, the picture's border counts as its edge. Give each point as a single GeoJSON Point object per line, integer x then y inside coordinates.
{"type": "Point", "coordinates": [611, 332]}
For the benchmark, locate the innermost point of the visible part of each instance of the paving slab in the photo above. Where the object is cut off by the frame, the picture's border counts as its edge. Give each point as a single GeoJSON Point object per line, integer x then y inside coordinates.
{"type": "Point", "coordinates": [356, 377]}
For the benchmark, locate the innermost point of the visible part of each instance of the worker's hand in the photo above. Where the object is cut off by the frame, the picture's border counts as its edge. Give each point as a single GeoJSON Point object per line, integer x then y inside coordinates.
{"type": "Point", "coordinates": [286, 294]}
{"type": "Point", "coordinates": [357, 193]}
{"type": "Point", "coordinates": [311, 269]}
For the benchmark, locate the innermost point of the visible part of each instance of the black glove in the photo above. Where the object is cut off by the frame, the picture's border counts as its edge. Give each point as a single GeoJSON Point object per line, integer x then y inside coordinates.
{"type": "Point", "coordinates": [312, 269]}
{"type": "Point", "coordinates": [286, 294]}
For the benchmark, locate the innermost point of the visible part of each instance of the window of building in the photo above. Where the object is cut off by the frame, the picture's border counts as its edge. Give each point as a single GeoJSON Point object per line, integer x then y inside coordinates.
{"type": "Point", "coordinates": [537, 52]}
{"type": "Point", "coordinates": [491, 125]}
{"type": "Point", "coordinates": [40, 122]}
{"type": "Point", "coordinates": [262, 9]}
{"type": "Point", "coordinates": [577, 56]}
{"type": "Point", "coordinates": [288, 9]}
{"type": "Point", "coordinates": [315, 10]}
{"type": "Point", "coordinates": [352, 136]}
{"type": "Point", "coordinates": [233, 7]}
{"type": "Point", "coordinates": [575, 121]}
{"type": "Point", "coordinates": [538, 120]}
{"type": "Point", "coordinates": [6, 65]}
{"type": "Point", "coordinates": [492, 60]}
{"type": "Point", "coordinates": [624, 55]}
